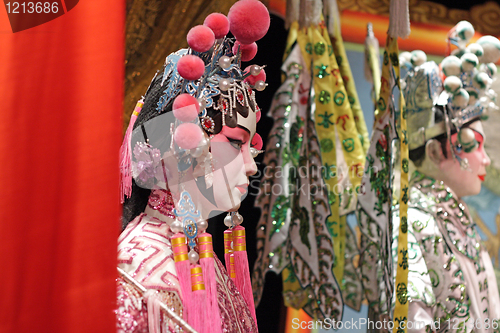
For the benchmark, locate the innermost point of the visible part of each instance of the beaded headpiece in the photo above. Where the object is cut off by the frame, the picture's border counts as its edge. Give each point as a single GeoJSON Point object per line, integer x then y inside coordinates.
{"type": "Point", "coordinates": [459, 89]}
{"type": "Point", "coordinates": [222, 77]}
{"type": "Point", "coordinates": [206, 89]}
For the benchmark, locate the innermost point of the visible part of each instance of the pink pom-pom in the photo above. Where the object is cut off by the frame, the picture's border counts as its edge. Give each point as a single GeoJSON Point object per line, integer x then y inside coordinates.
{"type": "Point", "coordinates": [188, 135]}
{"type": "Point", "coordinates": [251, 79]}
{"type": "Point", "coordinates": [248, 51]}
{"type": "Point", "coordinates": [257, 142]}
{"type": "Point", "coordinates": [200, 38]}
{"type": "Point", "coordinates": [190, 67]}
{"type": "Point", "coordinates": [186, 107]}
{"type": "Point", "coordinates": [258, 114]}
{"type": "Point", "coordinates": [218, 23]}
{"type": "Point", "coordinates": [248, 20]}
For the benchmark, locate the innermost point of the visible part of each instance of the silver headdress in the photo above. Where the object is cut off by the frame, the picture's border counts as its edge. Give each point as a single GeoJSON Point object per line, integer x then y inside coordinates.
{"type": "Point", "coordinates": [459, 89]}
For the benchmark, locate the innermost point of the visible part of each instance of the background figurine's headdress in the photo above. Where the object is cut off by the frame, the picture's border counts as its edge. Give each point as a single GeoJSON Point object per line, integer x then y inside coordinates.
{"type": "Point", "coordinates": [205, 88]}
{"type": "Point", "coordinates": [458, 90]}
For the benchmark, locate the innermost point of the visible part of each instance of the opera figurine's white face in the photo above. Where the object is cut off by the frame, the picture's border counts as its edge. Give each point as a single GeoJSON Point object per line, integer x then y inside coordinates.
{"type": "Point", "coordinates": [233, 163]}
{"type": "Point", "coordinates": [221, 182]}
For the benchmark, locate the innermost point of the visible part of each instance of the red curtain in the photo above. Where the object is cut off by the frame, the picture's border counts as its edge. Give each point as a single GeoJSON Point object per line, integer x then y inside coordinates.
{"type": "Point", "coordinates": [61, 93]}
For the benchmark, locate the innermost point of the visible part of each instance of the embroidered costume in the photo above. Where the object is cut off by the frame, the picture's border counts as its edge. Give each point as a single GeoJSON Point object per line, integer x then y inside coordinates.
{"type": "Point", "coordinates": [451, 283]}
{"type": "Point", "coordinates": [145, 252]}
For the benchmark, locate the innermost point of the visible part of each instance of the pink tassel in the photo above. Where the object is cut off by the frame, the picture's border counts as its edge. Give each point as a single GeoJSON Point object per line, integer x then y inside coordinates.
{"type": "Point", "coordinates": [198, 313]}
{"type": "Point", "coordinates": [242, 280]}
{"type": "Point", "coordinates": [183, 270]}
{"type": "Point", "coordinates": [126, 156]}
{"type": "Point", "coordinates": [228, 248]}
{"type": "Point", "coordinates": [207, 264]}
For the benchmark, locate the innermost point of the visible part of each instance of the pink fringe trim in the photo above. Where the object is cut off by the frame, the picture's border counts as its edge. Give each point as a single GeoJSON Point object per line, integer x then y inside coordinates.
{"type": "Point", "coordinates": [183, 270]}
{"type": "Point", "coordinates": [126, 156]}
{"type": "Point", "coordinates": [198, 313]}
{"type": "Point", "coordinates": [242, 280]}
{"type": "Point", "coordinates": [207, 264]}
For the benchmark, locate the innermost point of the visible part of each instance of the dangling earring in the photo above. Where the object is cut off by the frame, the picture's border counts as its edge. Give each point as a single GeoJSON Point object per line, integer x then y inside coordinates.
{"type": "Point", "coordinates": [238, 255]}
{"type": "Point", "coordinates": [189, 272]}
{"type": "Point", "coordinates": [188, 214]}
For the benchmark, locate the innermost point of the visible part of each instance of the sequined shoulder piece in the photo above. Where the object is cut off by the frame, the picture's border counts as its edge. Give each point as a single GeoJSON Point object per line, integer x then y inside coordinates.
{"type": "Point", "coordinates": [451, 213]}
{"type": "Point", "coordinates": [132, 314]}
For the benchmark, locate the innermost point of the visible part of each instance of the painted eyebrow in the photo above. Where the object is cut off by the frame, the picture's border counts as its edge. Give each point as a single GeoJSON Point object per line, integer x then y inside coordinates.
{"type": "Point", "coordinates": [231, 138]}
{"type": "Point", "coordinates": [234, 140]}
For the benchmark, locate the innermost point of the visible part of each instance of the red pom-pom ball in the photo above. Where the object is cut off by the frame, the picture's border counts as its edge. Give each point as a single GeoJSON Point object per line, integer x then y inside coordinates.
{"type": "Point", "coordinates": [248, 20]}
{"type": "Point", "coordinates": [251, 79]}
{"type": "Point", "coordinates": [248, 51]}
{"type": "Point", "coordinates": [257, 142]}
{"type": "Point", "coordinates": [186, 107]}
{"type": "Point", "coordinates": [190, 67]}
{"type": "Point", "coordinates": [258, 114]}
{"type": "Point", "coordinates": [200, 38]}
{"type": "Point", "coordinates": [218, 23]}
{"type": "Point", "coordinates": [188, 135]}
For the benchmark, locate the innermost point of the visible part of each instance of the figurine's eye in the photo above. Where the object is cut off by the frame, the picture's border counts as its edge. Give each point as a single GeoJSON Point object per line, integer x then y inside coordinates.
{"type": "Point", "coordinates": [237, 144]}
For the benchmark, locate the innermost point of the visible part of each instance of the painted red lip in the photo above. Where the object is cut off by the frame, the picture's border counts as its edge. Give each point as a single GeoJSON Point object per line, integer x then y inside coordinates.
{"type": "Point", "coordinates": [243, 188]}
{"type": "Point", "coordinates": [482, 177]}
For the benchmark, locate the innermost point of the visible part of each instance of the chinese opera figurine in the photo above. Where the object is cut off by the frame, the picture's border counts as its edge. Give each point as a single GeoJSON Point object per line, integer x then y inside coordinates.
{"type": "Point", "coordinates": [188, 152]}
{"type": "Point", "coordinates": [451, 283]}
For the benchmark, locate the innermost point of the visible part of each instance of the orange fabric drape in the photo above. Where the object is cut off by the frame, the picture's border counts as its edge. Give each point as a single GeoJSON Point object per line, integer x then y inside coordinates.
{"type": "Point", "coordinates": [61, 93]}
